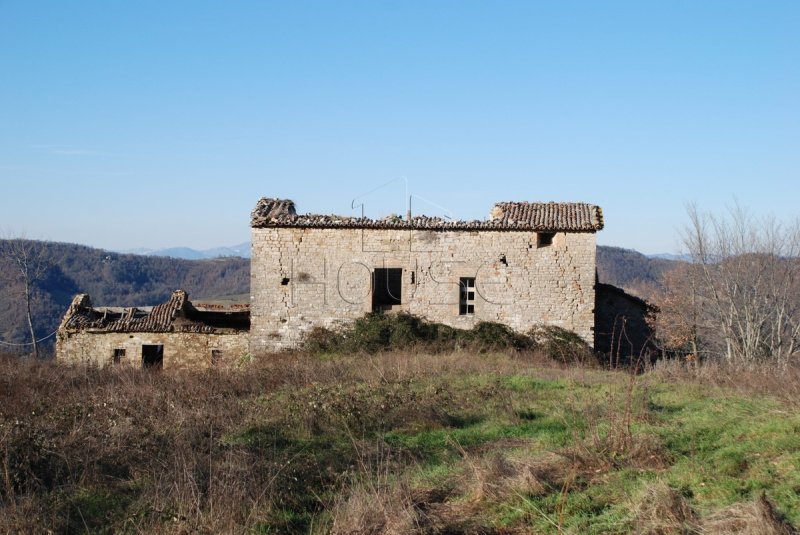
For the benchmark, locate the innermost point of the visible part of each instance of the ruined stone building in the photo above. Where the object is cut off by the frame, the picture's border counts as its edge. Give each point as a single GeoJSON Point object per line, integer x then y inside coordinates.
{"type": "Point", "coordinates": [173, 334]}
{"type": "Point", "coordinates": [527, 264]}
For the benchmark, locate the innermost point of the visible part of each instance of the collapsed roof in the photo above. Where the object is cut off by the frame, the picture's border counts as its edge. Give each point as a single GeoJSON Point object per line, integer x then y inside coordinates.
{"type": "Point", "coordinates": [178, 314]}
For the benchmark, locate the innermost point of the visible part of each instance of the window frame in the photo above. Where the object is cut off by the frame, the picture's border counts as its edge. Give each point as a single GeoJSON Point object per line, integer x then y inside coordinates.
{"type": "Point", "coordinates": [466, 296]}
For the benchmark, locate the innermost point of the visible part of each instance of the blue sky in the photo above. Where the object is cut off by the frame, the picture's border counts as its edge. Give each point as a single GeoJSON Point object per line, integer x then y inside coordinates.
{"type": "Point", "coordinates": [154, 124]}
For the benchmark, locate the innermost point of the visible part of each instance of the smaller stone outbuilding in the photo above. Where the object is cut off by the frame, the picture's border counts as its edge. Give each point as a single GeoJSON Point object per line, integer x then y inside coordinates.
{"type": "Point", "coordinates": [175, 334]}
{"type": "Point", "coordinates": [623, 324]}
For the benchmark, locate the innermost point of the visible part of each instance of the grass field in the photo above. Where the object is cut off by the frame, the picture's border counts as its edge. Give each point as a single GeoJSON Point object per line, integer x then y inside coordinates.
{"type": "Point", "coordinates": [400, 442]}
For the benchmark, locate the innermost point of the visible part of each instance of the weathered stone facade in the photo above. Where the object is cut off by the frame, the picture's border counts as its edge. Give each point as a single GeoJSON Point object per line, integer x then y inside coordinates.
{"type": "Point", "coordinates": [175, 334]}
{"type": "Point", "coordinates": [309, 271]}
{"type": "Point", "coordinates": [180, 350]}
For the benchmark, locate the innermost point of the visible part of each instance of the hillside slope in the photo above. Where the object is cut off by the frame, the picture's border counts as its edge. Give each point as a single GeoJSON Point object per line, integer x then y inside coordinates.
{"type": "Point", "coordinates": [627, 268]}
{"type": "Point", "coordinates": [110, 279]}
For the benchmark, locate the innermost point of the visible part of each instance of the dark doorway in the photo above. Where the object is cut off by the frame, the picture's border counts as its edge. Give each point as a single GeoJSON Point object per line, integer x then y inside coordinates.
{"type": "Point", "coordinates": [386, 285]}
{"type": "Point", "coordinates": [153, 356]}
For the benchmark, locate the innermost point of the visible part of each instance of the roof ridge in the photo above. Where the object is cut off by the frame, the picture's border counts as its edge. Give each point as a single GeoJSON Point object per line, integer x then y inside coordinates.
{"type": "Point", "coordinates": [507, 215]}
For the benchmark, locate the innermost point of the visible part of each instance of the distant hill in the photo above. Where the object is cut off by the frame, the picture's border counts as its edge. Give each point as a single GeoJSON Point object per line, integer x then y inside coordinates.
{"type": "Point", "coordinates": [241, 250]}
{"type": "Point", "coordinates": [112, 279]}
{"type": "Point", "coordinates": [627, 268]}
{"type": "Point", "coordinates": [672, 256]}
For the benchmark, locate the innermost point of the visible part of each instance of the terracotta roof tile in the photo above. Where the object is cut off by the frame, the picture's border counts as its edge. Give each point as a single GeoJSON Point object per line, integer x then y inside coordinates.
{"type": "Point", "coordinates": [550, 216]}
{"type": "Point", "coordinates": [166, 317]}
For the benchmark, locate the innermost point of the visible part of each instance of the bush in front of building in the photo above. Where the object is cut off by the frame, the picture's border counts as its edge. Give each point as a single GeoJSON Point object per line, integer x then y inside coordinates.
{"type": "Point", "coordinates": [561, 344]}
{"type": "Point", "coordinates": [389, 332]}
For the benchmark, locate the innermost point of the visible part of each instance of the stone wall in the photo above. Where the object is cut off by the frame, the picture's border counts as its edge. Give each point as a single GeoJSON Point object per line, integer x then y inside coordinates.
{"type": "Point", "coordinates": [307, 277]}
{"type": "Point", "coordinates": [624, 324]}
{"type": "Point", "coordinates": [181, 350]}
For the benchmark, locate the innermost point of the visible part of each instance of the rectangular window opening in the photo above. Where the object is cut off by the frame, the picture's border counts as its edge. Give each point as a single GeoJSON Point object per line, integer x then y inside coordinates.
{"type": "Point", "coordinates": [153, 356]}
{"type": "Point", "coordinates": [466, 296]}
{"type": "Point", "coordinates": [386, 288]}
{"type": "Point", "coordinates": [119, 354]}
{"type": "Point", "coordinates": [216, 356]}
{"type": "Point", "coordinates": [545, 239]}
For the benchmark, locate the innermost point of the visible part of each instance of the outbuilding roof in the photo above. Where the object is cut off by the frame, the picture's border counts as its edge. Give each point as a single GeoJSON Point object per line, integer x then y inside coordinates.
{"type": "Point", "coordinates": [176, 315]}
{"type": "Point", "coordinates": [535, 216]}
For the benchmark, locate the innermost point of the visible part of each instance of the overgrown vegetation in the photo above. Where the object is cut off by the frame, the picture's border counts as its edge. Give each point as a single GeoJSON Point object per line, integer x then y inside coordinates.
{"type": "Point", "coordinates": [391, 332]}
{"type": "Point", "coordinates": [399, 442]}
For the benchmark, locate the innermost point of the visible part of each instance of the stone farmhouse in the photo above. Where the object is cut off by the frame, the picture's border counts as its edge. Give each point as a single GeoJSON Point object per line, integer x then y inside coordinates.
{"type": "Point", "coordinates": [527, 264]}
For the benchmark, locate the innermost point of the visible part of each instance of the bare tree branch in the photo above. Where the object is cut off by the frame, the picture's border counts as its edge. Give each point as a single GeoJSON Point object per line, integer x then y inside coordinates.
{"type": "Point", "coordinates": [25, 265]}
{"type": "Point", "coordinates": [744, 285]}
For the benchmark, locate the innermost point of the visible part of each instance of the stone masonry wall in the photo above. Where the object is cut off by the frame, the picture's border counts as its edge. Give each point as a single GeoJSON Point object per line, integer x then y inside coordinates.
{"type": "Point", "coordinates": [623, 327]}
{"type": "Point", "coordinates": [307, 277]}
{"type": "Point", "coordinates": [181, 350]}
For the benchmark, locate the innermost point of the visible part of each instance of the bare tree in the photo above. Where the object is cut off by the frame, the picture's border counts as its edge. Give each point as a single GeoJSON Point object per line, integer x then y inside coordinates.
{"type": "Point", "coordinates": [676, 321]}
{"type": "Point", "coordinates": [24, 263]}
{"type": "Point", "coordinates": [742, 289]}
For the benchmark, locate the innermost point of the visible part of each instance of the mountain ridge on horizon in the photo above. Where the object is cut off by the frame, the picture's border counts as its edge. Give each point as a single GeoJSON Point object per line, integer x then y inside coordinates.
{"type": "Point", "coordinates": [242, 250]}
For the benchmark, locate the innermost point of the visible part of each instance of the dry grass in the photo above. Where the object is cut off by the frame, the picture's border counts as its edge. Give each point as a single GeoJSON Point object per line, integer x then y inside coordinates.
{"type": "Point", "coordinates": [662, 510]}
{"type": "Point", "coordinates": [66, 431]}
{"type": "Point", "coordinates": [372, 508]}
{"type": "Point", "coordinates": [757, 517]}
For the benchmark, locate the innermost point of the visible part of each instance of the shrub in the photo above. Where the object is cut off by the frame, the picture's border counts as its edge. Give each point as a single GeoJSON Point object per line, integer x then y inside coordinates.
{"type": "Point", "coordinates": [321, 340]}
{"type": "Point", "coordinates": [388, 332]}
{"type": "Point", "coordinates": [561, 344]}
{"type": "Point", "coordinates": [496, 336]}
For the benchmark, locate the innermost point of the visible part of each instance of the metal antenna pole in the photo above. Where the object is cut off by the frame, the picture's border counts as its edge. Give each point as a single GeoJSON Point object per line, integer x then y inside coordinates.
{"type": "Point", "coordinates": [353, 204]}
{"type": "Point", "coordinates": [448, 213]}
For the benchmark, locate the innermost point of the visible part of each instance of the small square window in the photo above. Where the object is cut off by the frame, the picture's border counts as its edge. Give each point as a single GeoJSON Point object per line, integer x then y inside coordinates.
{"type": "Point", "coordinates": [216, 356]}
{"type": "Point", "coordinates": [545, 239]}
{"type": "Point", "coordinates": [466, 296]}
{"type": "Point", "coordinates": [119, 354]}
